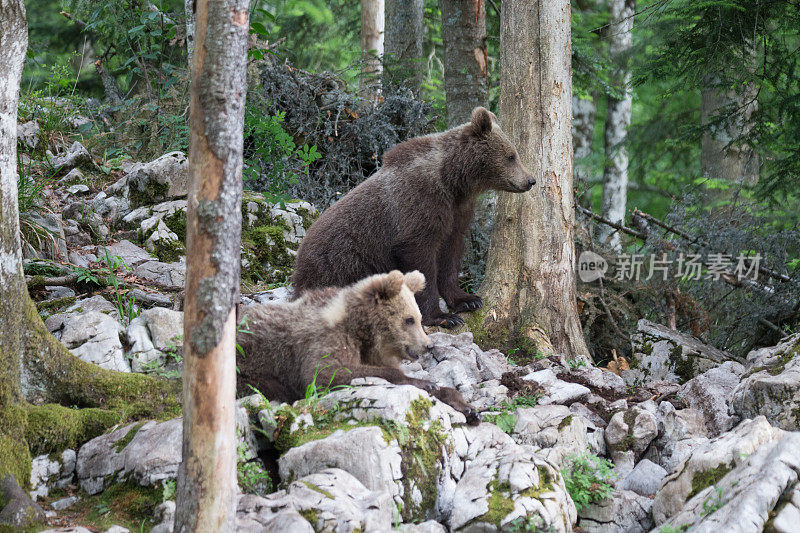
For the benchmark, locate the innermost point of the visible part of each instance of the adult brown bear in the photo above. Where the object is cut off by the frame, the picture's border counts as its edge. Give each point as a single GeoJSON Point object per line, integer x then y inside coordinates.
{"type": "Point", "coordinates": [413, 215]}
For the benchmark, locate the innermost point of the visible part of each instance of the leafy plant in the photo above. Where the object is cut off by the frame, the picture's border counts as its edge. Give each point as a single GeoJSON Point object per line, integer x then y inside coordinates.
{"type": "Point", "coordinates": [314, 392]}
{"type": "Point", "coordinates": [168, 487]}
{"type": "Point", "coordinates": [713, 502]}
{"type": "Point", "coordinates": [125, 303]}
{"type": "Point", "coordinates": [505, 419]}
{"type": "Point", "coordinates": [588, 479]}
{"type": "Point", "coordinates": [576, 363]}
{"type": "Point", "coordinates": [253, 478]}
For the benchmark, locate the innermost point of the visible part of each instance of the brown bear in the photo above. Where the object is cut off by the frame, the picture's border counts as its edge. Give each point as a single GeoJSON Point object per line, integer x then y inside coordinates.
{"type": "Point", "coordinates": [330, 336]}
{"type": "Point", "coordinates": [413, 215]}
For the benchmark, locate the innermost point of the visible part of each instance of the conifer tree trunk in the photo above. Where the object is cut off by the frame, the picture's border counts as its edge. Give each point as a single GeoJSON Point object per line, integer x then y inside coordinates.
{"type": "Point", "coordinates": [530, 276]}
{"type": "Point", "coordinates": [465, 62]}
{"type": "Point", "coordinates": [188, 7]}
{"type": "Point", "coordinates": [207, 475]}
{"type": "Point", "coordinates": [402, 43]}
{"type": "Point", "coordinates": [583, 117]}
{"type": "Point", "coordinates": [372, 16]}
{"type": "Point", "coordinates": [618, 118]}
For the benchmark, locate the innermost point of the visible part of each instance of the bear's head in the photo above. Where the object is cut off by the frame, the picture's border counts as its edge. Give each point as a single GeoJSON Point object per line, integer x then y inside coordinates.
{"type": "Point", "coordinates": [396, 321]}
{"type": "Point", "coordinates": [496, 162]}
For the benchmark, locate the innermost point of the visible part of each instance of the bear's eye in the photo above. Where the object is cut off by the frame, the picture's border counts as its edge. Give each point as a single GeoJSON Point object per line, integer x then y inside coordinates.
{"type": "Point", "coordinates": [511, 158]}
{"type": "Point", "coordinates": [409, 321]}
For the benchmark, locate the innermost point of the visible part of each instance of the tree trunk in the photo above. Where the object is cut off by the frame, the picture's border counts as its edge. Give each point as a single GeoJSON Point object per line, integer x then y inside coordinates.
{"type": "Point", "coordinates": [618, 118]}
{"type": "Point", "coordinates": [403, 43]}
{"type": "Point", "coordinates": [583, 116]}
{"type": "Point", "coordinates": [372, 14]}
{"type": "Point", "coordinates": [188, 7]}
{"type": "Point", "coordinates": [14, 454]}
{"type": "Point", "coordinates": [465, 62]}
{"type": "Point", "coordinates": [206, 479]}
{"type": "Point", "coordinates": [736, 164]}
{"type": "Point", "coordinates": [530, 274]}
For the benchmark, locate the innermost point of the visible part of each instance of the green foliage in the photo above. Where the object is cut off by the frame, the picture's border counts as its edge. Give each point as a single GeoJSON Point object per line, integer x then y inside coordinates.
{"type": "Point", "coordinates": [713, 502]}
{"type": "Point", "coordinates": [588, 479]}
{"type": "Point", "coordinates": [270, 150]}
{"type": "Point", "coordinates": [252, 477]}
{"type": "Point", "coordinates": [124, 302]}
{"type": "Point", "coordinates": [505, 418]}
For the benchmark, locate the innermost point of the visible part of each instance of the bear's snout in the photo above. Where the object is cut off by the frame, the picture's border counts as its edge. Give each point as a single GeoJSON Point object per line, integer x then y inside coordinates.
{"type": "Point", "coordinates": [531, 183]}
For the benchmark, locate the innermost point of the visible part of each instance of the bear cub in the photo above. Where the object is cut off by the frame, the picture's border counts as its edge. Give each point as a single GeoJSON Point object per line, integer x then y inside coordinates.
{"type": "Point", "coordinates": [335, 335]}
{"type": "Point", "coordinates": [413, 214]}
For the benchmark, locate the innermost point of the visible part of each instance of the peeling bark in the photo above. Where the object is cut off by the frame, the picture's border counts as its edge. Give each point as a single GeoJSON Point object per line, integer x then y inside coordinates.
{"type": "Point", "coordinates": [618, 118]}
{"type": "Point", "coordinates": [530, 274]}
{"type": "Point", "coordinates": [372, 16]}
{"type": "Point", "coordinates": [206, 479]}
{"type": "Point", "coordinates": [466, 68]}
{"type": "Point", "coordinates": [403, 43]}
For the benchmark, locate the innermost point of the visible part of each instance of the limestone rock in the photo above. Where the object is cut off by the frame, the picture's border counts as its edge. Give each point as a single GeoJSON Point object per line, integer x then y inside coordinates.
{"type": "Point", "coordinates": [19, 510]}
{"type": "Point", "coordinates": [129, 252]}
{"type": "Point", "coordinates": [173, 274]}
{"type": "Point", "coordinates": [165, 178]}
{"type": "Point", "coordinates": [771, 386]}
{"type": "Point", "coordinates": [151, 334]}
{"type": "Point", "coordinates": [709, 463]}
{"type": "Point", "coordinates": [743, 500]}
{"type": "Point", "coordinates": [644, 479]}
{"type": "Point", "coordinates": [622, 512]}
{"type": "Point", "coordinates": [631, 430]}
{"type": "Point", "coordinates": [76, 156]}
{"type": "Point", "coordinates": [28, 134]}
{"type": "Point", "coordinates": [92, 336]}
{"type": "Point", "coordinates": [553, 430]}
{"type": "Point", "coordinates": [557, 391]}
{"type": "Point", "coordinates": [709, 393]}
{"type": "Point", "coordinates": [661, 354]}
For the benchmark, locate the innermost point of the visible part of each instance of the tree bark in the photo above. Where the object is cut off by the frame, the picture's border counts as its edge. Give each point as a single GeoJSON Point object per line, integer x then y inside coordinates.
{"type": "Point", "coordinates": [206, 479]}
{"type": "Point", "coordinates": [403, 43]}
{"type": "Point", "coordinates": [530, 274]}
{"type": "Point", "coordinates": [583, 116]}
{"type": "Point", "coordinates": [188, 7]}
{"type": "Point", "coordinates": [618, 118]}
{"type": "Point", "coordinates": [372, 16]}
{"type": "Point", "coordinates": [14, 454]}
{"type": "Point", "coordinates": [719, 159]}
{"type": "Point", "coordinates": [466, 68]}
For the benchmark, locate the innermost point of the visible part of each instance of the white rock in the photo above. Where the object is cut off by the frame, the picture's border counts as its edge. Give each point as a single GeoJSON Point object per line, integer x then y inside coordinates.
{"type": "Point", "coordinates": [709, 392]}
{"type": "Point", "coordinates": [622, 512]}
{"type": "Point", "coordinates": [558, 391]}
{"type": "Point", "coordinates": [644, 479]}
{"type": "Point", "coordinates": [553, 430]}
{"type": "Point", "coordinates": [91, 336]}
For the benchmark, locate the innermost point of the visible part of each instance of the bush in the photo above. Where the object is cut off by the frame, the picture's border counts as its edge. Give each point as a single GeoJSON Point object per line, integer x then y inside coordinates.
{"type": "Point", "coordinates": [589, 479]}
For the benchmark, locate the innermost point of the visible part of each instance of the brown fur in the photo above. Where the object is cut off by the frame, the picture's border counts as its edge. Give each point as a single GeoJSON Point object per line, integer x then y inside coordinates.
{"type": "Point", "coordinates": [335, 335]}
{"type": "Point", "coordinates": [413, 215]}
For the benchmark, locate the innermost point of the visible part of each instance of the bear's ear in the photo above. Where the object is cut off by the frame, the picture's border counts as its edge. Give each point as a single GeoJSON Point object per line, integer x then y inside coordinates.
{"type": "Point", "coordinates": [384, 286]}
{"type": "Point", "coordinates": [415, 281]}
{"type": "Point", "coordinates": [481, 121]}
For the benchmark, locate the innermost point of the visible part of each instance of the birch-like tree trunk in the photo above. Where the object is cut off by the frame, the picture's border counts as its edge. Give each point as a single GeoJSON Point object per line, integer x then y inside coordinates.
{"type": "Point", "coordinates": [188, 7]}
{"type": "Point", "coordinates": [372, 16]}
{"type": "Point", "coordinates": [466, 68]}
{"type": "Point", "coordinates": [402, 43]}
{"type": "Point", "coordinates": [13, 43]}
{"type": "Point", "coordinates": [618, 118]}
{"type": "Point", "coordinates": [719, 159]}
{"type": "Point", "coordinates": [530, 274]}
{"type": "Point", "coordinates": [583, 116]}
{"type": "Point", "coordinates": [207, 476]}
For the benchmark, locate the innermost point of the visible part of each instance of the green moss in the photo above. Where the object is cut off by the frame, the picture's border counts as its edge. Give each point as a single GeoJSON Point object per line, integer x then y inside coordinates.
{"type": "Point", "coordinates": [422, 442]}
{"type": "Point", "coordinates": [15, 459]}
{"type": "Point", "coordinates": [565, 422]}
{"type": "Point", "coordinates": [315, 488]}
{"type": "Point", "coordinates": [169, 251]}
{"type": "Point", "coordinates": [266, 251]}
{"type": "Point", "coordinates": [322, 428]}
{"type": "Point", "coordinates": [124, 441]}
{"type": "Point", "coordinates": [52, 428]}
{"type": "Point", "coordinates": [176, 222]}
{"type": "Point", "coordinates": [57, 303]}
{"type": "Point", "coordinates": [706, 478]}
{"type": "Point", "coordinates": [683, 366]}
{"type": "Point", "coordinates": [311, 516]}
{"type": "Point", "coordinates": [154, 192]}
{"type": "Point", "coordinates": [125, 503]}
{"type": "Point", "coordinates": [500, 504]}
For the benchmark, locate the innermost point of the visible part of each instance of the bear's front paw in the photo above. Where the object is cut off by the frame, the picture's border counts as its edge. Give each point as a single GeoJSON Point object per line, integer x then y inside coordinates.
{"type": "Point", "coordinates": [445, 321]}
{"type": "Point", "coordinates": [468, 303]}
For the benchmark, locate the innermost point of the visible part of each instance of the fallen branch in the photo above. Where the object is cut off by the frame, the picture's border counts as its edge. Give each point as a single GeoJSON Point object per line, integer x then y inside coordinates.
{"type": "Point", "coordinates": [615, 225]}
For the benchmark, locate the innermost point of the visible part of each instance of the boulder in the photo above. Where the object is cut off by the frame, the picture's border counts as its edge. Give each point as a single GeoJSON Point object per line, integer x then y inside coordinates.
{"type": "Point", "coordinates": [708, 464]}
{"type": "Point", "coordinates": [127, 251]}
{"type": "Point", "coordinates": [329, 500]}
{"type": "Point", "coordinates": [173, 274]}
{"type": "Point", "coordinates": [165, 178]}
{"type": "Point", "coordinates": [77, 156]}
{"type": "Point", "coordinates": [28, 134]}
{"type": "Point", "coordinates": [18, 511]}
{"type": "Point", "coordinates": [92, 336]}
{"type": "Point", "coordinates": [552, 430]}
{"type": "Point", "coordinates": [662, 354]}
{"type": "Point", "coordinates": [150, 335]}
{"type": "Point", "coordinates": [644, 479]}
{"type": "Point", "coordinates": [622, 512]}
{"type": "Point", "coordinates": [54, 243]}
{"type": "Point", "coordinates": [709, 394]}
{"type": "Point", "coordinates": [631, 430]}
{"type": "Point", "coordinates": [771, 386]}
{"type": "Point", "coordinates": [557, 391]}
{"type": "Point", "coordinates": [45, 472]}
{"type": "Point", "coordinates": [755, 489]}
